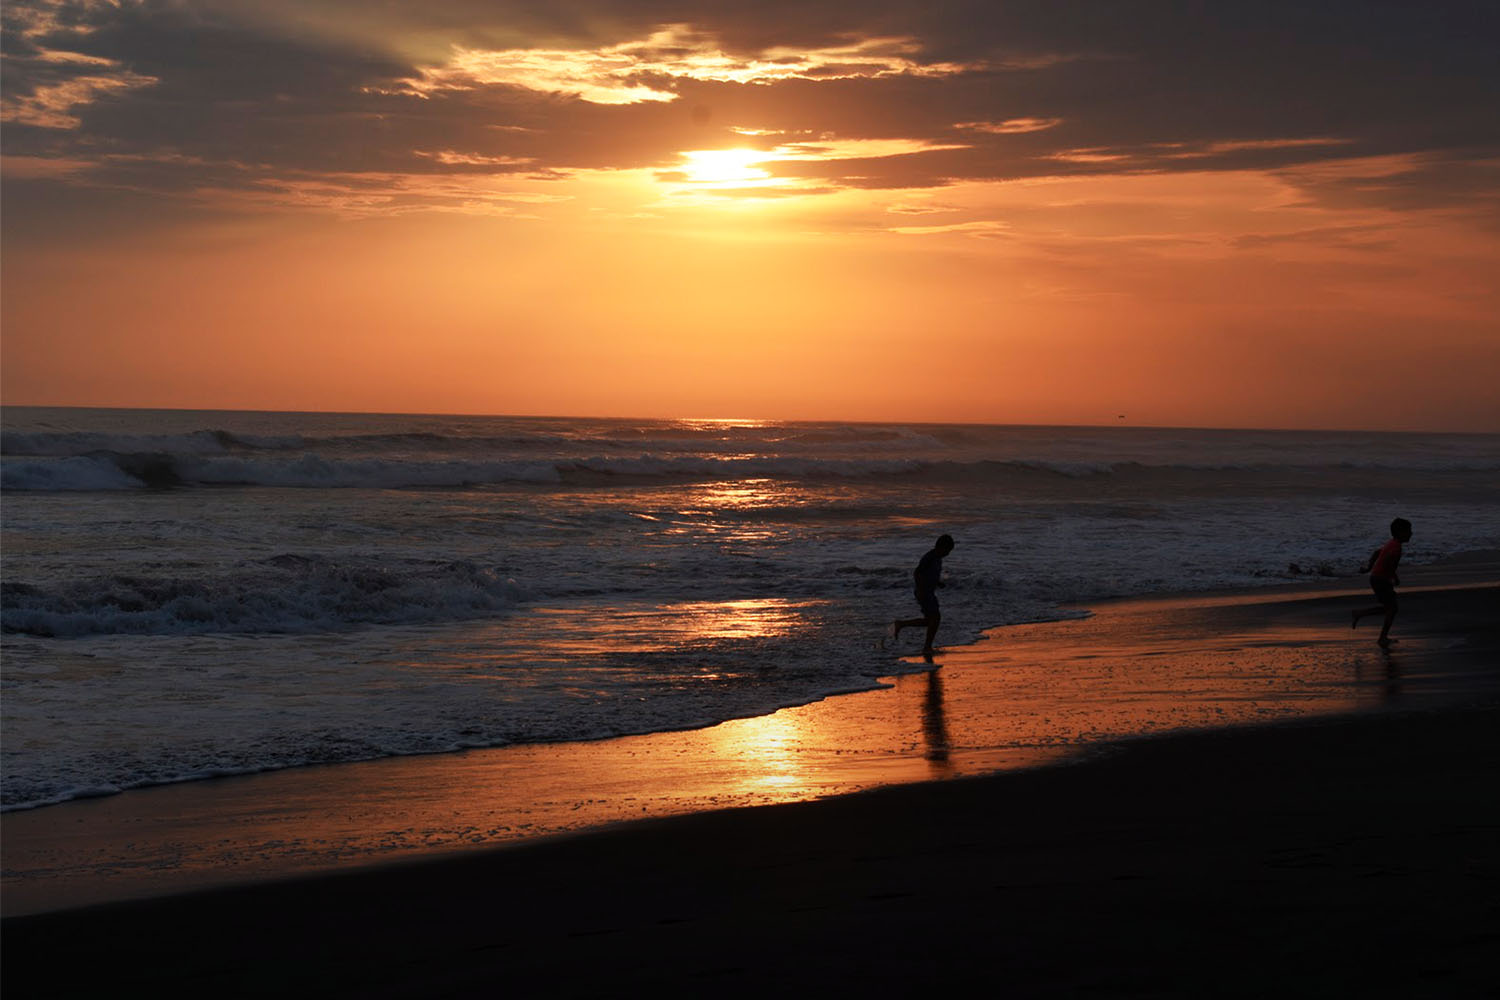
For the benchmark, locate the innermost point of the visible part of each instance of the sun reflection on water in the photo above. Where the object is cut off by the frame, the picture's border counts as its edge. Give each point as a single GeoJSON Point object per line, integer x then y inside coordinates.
{"type": "Point", "coordinates": [742, 619]}
{"type": "Point", "coordinates": [723, 423]}
{"type": "Point", "coordinates": [588, 632]}
{"type": "Point", "coordinates": [742, 494]}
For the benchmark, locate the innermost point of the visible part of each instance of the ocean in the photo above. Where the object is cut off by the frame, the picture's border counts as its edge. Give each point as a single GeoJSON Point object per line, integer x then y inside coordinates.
{"type": "Point", "coordinates": [193, 593]}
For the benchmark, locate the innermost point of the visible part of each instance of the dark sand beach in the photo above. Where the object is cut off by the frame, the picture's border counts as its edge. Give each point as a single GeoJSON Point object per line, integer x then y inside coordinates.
{"type": "Point", "coordinates": [1339, 835]}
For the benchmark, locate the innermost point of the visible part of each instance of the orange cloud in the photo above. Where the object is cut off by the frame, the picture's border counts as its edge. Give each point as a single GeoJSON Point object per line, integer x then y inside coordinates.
{"type": "Point", "coordinates": [614, 74]}
{"type": "Point", "coordinates": [65, 79]}
{"type": "Point", "coordinates": [1011, 126]}
{"type": "Point", "coordinates": [1240, 145]}
{"type": "Point", "coordinates": [453, 158]}
{"type": "Point", "coordinates": [51, 105]}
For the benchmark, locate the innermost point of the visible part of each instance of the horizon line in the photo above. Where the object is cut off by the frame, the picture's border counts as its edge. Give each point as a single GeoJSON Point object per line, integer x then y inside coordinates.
{"type": "Point", "coordinates": [1123, 423]}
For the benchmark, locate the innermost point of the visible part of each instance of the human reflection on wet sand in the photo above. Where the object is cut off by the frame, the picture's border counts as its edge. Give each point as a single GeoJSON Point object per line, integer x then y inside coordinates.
{"type": "Point", "coordinates": [1385, 671]}
{"type": "Point", "coordinates": [1379, 669]}
{"type": "Point", "coordinates": [934, 729]}
{"type": "Point", "coordinates": [1034, 694]}
{"type": "Point", "coordinates": [920, 726]}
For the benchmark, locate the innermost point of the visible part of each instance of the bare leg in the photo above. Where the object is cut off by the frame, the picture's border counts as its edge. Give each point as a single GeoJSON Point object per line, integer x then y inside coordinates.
{"type": "Point", "coordinates": [1385, 630]}
{"type": "Point", "coordinates": [932, 627]}
{"type": "Point", "coordinates": [1378, 609]}
{"type": "Point", "coordinates": [902, 623]}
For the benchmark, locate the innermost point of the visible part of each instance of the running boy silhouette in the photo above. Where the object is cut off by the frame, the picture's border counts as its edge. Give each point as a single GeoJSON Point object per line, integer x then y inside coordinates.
{"type": "Point", "coordinates": [1383, 579]}
{"type": "Point", "coordinates": [928, 577]}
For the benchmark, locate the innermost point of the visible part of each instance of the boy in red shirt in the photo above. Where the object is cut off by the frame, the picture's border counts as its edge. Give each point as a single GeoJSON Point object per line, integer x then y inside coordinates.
{"type": "Point", "coordinates": [1383, 579]}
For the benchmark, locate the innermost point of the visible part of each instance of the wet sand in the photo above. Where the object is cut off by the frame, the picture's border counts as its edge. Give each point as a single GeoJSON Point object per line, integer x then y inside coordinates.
{"type": "Point", "coordinates": [1023, 697]}
{"type": "Point", "coordinates": [1328, 852]}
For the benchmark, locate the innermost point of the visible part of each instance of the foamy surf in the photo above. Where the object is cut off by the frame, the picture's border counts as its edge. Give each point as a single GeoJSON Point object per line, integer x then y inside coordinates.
{"type": "Point", "coordinates": [192, 594]}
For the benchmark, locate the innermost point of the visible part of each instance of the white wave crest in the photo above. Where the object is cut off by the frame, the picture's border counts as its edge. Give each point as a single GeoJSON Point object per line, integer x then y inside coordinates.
{"type": "Point", "coordinates": [134, 470]}
{"type": "Point", "coordinates": [73, 443]}
{"type": "Point", "coordinates": [66, 474]}
{"type": "Point", "coordinates": [289, 593]}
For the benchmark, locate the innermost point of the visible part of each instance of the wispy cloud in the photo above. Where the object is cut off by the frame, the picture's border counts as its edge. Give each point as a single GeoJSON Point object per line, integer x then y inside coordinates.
{"type": "Point", "coordinates": [1349, 237]}
{"type": "Point", "coordinates": [857, 149]}
{"type": "Point", "coordinates": [1011, 126]}
{"type": "Point", "coordinates": [452, 158]}
{"type": "Point", "coordinates": [1223, 146]}
{"type": "Point", "coordinates": [367, 194]}
{"type": "Point", "coordinates": [52, 105]}
{"type": "Point", "coordinates": [644, 70]}
{"type": "Point", "coordinates": [54, 81]}
{"type": "Point", "coordinates": [1090, 156]}
{"type": "Point", "coordinates": [987, 229]}
{"type": "Point", "coordinates": [923, 208]}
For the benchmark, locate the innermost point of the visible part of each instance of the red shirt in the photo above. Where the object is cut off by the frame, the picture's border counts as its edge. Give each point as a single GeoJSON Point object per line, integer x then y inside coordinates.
{"type": "Point", "coordinates": [1386, 561]}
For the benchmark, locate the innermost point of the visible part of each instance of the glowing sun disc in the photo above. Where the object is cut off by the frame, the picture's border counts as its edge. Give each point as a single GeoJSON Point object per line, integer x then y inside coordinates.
{"type": "Point", "coordinates": [724, 166]}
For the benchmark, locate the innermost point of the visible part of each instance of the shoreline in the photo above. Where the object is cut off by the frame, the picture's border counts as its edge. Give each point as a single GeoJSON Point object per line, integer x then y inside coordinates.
{"type": "Point", "coordinates": [1323, 857]}
{"type": "Point", "coordinates": [927, 727]}
{"type": "Point", "coordinates": [1476, 567]}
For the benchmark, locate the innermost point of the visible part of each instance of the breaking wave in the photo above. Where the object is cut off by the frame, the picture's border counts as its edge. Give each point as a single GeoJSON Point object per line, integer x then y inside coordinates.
{"type": "Point", "coordinates": [108, 470]}
{"type": "Point", "coordinates": [283, 594]}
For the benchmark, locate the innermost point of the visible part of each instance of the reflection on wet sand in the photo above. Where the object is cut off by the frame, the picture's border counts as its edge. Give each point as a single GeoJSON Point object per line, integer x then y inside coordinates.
{"type": "Point", "coordinates": [770, 747]}
{"type": "Point", "coordinates": [1027, 695]}
{"type": "Point", "coordinates": [934, 730]}
{"type": "Point", "coordinates": [1381, 669]}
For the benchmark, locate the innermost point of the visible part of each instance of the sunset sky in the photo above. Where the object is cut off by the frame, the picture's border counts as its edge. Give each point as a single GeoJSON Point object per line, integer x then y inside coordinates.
{"type": "Point", "coordinates": [1213, 214]}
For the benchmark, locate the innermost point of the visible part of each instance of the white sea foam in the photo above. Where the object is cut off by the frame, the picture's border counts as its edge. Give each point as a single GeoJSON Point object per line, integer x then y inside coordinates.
{"type": "Point", "coordinates": [66, 474]}
{"type": "Point", "coordinates": [118, 471]}
{"type": "Point", "coordinates": [312, 451]}
{"type": "Point", "coordinates": [196, 594]}
{"type": "Point", "coordinates": [64, 443]}
{"type": "Point", "coordinates": [288, 593]}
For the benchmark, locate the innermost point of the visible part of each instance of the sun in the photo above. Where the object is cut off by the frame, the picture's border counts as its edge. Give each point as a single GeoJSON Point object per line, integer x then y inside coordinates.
{"type": "Point", "coordinates": [725, 166]}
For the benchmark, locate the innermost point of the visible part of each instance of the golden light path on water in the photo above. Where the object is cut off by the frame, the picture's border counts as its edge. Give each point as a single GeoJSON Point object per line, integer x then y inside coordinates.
{"type": "Point", "coordinates": [1029, 695]}
{"type": "Point", "coordinates": [653, 628]}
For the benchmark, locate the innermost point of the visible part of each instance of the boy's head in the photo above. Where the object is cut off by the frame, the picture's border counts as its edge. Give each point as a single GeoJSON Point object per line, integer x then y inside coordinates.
{"type": "Point", "coordinates": [1401, 529]}
{"type": "Point", "coordinates": [944, 544]}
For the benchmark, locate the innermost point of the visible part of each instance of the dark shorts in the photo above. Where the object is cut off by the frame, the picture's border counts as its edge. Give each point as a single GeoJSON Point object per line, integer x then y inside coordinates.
{"type": "Point", "coordinates": [1385, 592]}
{"type": "Point", "coordinates": [928, 603]}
